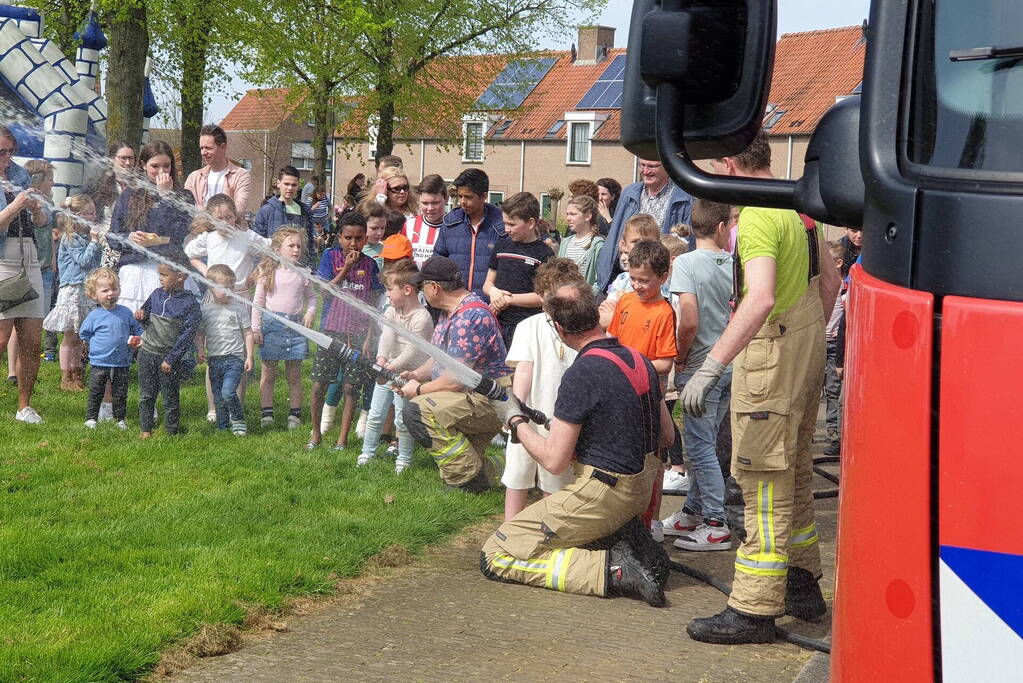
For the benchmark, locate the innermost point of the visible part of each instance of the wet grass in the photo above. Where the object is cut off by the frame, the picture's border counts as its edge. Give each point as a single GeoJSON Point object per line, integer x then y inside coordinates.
{"type": "Point", "coordinates": [113, 549]}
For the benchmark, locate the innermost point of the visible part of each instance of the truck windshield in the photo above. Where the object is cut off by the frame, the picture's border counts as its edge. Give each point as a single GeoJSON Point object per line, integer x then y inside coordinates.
{"type": "Point", "coordinates": [967, 106]}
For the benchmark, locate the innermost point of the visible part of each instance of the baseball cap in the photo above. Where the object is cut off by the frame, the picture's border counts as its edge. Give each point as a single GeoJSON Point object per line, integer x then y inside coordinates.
{"type": "Point", "coordinates": [396, 247]}
{"type": "Point", "coordinates": [437, 269]}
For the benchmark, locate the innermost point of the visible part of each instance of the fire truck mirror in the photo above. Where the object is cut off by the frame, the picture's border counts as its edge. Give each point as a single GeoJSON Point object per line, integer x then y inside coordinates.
{"type": "Point", "coordinates": [716, 56]}
{"type": "Point", "coordinates": [832, 188]}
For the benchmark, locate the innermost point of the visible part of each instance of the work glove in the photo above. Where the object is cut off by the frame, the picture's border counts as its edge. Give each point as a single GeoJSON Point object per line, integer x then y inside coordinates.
{"type": "Point", "coordinates": [694, 393]}
{"type": "Point", "coordinates": [507, 408]}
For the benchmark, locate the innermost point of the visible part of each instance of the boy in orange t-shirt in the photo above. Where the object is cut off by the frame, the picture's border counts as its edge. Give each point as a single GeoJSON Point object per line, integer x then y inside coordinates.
{"type": "Point", "coordinates": [645, 321]}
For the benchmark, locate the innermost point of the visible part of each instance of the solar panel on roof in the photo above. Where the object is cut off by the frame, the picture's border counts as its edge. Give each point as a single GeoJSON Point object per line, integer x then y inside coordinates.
{"type": "Point", "coordinates": [606, 92]}
{"type": "Point", "coordinates": [513, 85]}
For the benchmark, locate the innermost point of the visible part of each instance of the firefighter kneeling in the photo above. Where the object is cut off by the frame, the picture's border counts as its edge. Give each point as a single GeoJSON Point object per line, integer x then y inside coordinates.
{"type": "Point", "coordinates": [610, 417]}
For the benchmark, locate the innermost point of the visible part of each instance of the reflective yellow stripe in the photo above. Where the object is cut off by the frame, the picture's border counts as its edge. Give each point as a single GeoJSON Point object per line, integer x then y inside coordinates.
{"type": "Point", "coordinates": [564, 570]}
{"type": "Point", "coordinates": [453, 451]}
{"type": "Point", "coordinates": [804, 537]}
{"type": "Point", "coordinates": [762, 564]}
{"type": "Point", "coordinates": [765, 515]}
{"type": "Point", "coordinates": [559, 568]}
{"type": "Point", "coordinates": [508, 562]}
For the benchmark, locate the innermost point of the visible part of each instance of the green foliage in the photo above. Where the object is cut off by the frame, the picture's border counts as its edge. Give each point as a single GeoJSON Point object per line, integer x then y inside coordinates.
{"type": "Point", "coordinates": [115, 548]}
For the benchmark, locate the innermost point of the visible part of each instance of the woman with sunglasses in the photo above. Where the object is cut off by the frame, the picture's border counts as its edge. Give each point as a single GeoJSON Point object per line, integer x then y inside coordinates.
{"type": "Point", "coordinates": [392, 189]}
{"type": "Point", "coordinates": [21, 212]}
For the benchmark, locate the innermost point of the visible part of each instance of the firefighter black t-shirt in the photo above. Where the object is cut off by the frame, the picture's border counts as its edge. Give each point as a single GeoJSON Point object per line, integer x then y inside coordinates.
{"type": "Point", "coordinates": [618, 428]}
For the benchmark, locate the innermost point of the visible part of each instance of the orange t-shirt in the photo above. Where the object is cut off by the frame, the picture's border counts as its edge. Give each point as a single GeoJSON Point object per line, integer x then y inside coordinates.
{"type": "Point", "coordinates": [648, 327]}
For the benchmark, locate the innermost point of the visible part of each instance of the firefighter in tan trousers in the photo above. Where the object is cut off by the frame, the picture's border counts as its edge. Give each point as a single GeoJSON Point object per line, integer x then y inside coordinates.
{"type": "Point", "coordinates": [786, 286]}
{"type": "Point", "coordinates": [610, 417]}
{"type": "Point", "coordinates": [455, 424]}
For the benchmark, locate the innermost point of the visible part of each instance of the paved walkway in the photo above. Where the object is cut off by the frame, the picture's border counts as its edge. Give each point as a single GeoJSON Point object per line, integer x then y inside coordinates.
{"type": "Point", "coordinates": [439, 619]}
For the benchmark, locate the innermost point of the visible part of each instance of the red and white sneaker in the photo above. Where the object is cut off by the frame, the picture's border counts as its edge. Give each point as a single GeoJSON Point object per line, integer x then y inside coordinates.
{"type": "Point", "coordinates": [681, 523]}
{"type": "Point", "coordinates": [713, 536]}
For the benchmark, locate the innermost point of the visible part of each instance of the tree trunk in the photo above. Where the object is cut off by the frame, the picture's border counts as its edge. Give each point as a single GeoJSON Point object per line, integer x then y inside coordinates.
{"type": "Point", "coordinates": [385, 130]}
{"type": "Point", "coordinates": [322, 120]}
{"type": "Point", "coordinates": [129, 45]}
{"type": "Point", "coordinates": [193, 93]}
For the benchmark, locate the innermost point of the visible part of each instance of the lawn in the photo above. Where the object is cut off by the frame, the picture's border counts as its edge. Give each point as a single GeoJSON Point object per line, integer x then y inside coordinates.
{"type": "Point", "coordinates": [112, 549]}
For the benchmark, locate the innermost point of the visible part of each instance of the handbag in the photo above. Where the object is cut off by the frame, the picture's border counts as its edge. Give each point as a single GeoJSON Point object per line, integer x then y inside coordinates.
{"type": "Point", "coordinates": [18, 289]}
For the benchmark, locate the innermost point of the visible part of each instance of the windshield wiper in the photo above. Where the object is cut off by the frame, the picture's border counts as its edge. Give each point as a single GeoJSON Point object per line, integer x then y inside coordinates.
{"type": "Point", "coordinates": [974, 54]}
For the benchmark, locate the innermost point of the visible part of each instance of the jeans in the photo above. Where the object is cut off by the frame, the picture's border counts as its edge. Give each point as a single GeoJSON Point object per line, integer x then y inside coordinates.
{"type": "Point", "coordinates": [383, 397]}
{"type": "Point", "coordinates": [153, 380]}
{"type": "Point", "coordinates": [225, 375]}
{"type": "Point", "coordinates": [706, 495]}
{"type": "Point", "coordinates": [118, 378]}
{"type": "Point", "coordinates": [832, 392]}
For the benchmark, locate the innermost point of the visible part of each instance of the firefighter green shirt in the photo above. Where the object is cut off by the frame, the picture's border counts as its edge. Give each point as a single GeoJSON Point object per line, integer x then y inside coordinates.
{"type": "Point", "coordinates": [780, 235]}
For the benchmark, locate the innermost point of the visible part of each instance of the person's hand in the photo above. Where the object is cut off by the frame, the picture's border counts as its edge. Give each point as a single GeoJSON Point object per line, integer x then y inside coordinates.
{"type": "Point", "coordinates": [134, 341]}
{"type": "Point", "coordinates": [164, 182]}
{"type": "Point", "coordinates": [839, 372]}
{"type": "Point", "coordinates": [248, 364]}
{"type": "Point", "coordinates": [604, 208]}
{"type": "Point", "coordinates": [20, 202]}
{"type": "Point", "coordinates": [499, 300]}
{"type": "Point", "coordinates": [166, 367]}
{"type": "Point", "coordinates": [380, 187]}
{"type": "Point", "coordinates": [200, 356]}
{"type": "Point", "coordinates": [694, 393]}
{"type": "Point", "coordinates": [140, 315]}
{"type": "Point", "coordinates": [257, 337]}
{"type": "Point", "coordinates": [351, 256]}
{"type": "Point", "coordinates": [409, 390]}
{"type": "Point", "coordinates": [680, 365]}
{"type": "Point", "coordinates": [507, 408]}
{"type": "Point", "coordinates": [309, 318]}
{"type": "Point", "coordinates": [137, 237]}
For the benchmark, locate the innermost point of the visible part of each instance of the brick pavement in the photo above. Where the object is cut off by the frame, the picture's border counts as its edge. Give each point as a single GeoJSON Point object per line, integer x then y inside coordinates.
{"type": "Point", "coordinates": [439, 619]}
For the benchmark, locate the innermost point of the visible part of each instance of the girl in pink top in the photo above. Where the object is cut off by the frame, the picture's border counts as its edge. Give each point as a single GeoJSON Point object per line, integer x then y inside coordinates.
{"type": "Point", "coordinates": [285, 292]}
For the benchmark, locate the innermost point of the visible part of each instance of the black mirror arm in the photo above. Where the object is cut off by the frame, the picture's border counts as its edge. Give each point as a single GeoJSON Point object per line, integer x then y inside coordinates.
{"type": "Point", "coordinates": [769, 193]}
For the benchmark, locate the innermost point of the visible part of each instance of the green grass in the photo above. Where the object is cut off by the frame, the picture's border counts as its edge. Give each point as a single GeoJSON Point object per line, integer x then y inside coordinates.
{"type": "Point", "coordinates": [112, 549]}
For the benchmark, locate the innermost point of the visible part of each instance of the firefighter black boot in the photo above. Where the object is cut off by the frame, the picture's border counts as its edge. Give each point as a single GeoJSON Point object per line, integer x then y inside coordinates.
{"type": "Point", "coordinates": [628, 577]}
{"type": "Point", "coordinates": [803, 598]}
{"type": "Point", "coordinates": [732, 628]}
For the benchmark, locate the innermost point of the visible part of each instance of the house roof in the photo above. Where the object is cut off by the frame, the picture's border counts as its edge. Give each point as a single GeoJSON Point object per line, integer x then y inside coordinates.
{"type": "Point", "coordinates": [260, 109]}
{"type": "Point", "coordinates": [811, 69]}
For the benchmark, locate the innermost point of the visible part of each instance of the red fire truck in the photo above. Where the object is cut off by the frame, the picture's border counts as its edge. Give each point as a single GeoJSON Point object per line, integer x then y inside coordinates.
{"type": "Point", "coordinates": [929, 162]}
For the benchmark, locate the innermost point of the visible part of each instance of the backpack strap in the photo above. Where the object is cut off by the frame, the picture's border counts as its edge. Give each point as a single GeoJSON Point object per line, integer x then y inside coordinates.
{"type": "Point", "coordinates": [637, 375]}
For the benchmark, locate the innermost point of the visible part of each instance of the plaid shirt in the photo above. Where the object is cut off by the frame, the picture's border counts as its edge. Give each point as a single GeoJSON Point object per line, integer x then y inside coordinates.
{"type": "Point", "coordinates": [362, 283]}
{"type": "Point", "coordinates": [657, 205]}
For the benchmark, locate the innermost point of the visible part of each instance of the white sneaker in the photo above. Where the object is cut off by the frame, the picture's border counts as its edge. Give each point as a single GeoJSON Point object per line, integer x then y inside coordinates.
{"type": "Point", "coordinates": [90, 424]}
{"type": "Point", "coordinates": [706, 537]}
{"type": "Point", "coordinates": [400, 467]}
{"type": "Point", "coordinates": [681, 523]}
{"type": "Point", "coordinates": [106, 412]}
{"type": "Point", "coordinates": [363, 459]}
{"type": "Point", "coordinates": [266, 421]}
{"type": "Point", "coordinates": [675, 482]}
{"type": "Point", "coordinates": [28, 415]}
{"type": "Point", "coordinates": [211, 416]}
{"type": "Point", "coordinates": [294, 422]}
{"type": "Point", "coordinates": [327, 418]}
{"type": "Point", "coordinates": [121, 424]}
{"type": "Point", "coordinates": [657, 530]}
{"type": "Point", "coordinates": [360, 426]}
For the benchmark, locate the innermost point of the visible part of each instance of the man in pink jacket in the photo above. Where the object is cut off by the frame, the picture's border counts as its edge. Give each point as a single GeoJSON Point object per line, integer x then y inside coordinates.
{"type": "Point", "coordinates": [219, 175]}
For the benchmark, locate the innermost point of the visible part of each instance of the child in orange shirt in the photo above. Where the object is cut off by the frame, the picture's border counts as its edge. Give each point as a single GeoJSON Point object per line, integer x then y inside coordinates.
{"type": "Point", "coordinates": [645, 321]}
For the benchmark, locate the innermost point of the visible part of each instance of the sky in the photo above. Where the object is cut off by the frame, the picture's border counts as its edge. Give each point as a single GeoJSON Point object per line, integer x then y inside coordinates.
{"type": "Point", "coordinates": [793, 16]}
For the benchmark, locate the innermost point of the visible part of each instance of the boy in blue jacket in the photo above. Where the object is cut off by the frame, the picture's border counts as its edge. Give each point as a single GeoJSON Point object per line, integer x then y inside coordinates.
{"type": "Point", "coordinates": [172, 315]}
{"type": "Point", "coordinates": [470, 232]}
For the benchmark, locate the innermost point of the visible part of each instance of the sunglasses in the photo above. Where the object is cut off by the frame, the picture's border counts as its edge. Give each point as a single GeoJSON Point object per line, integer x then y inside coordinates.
{"type": "Point", "coordinates": [8, 152]}
{"type": "Point", "coordinates": [396, 190]}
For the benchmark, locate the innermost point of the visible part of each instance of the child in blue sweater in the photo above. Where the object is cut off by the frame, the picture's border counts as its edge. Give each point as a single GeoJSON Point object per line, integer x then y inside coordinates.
{"type": "Point", "coordinates": [111, 331]}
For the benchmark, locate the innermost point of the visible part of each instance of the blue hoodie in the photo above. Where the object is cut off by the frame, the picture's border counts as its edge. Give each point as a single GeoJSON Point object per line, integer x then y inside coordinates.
{"type": "Point", "coordinates": [470, 250]}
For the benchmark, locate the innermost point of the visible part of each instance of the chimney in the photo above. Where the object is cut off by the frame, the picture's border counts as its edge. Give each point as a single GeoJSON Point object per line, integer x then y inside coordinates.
{"type": "Point", "coordinates": [594, 44]}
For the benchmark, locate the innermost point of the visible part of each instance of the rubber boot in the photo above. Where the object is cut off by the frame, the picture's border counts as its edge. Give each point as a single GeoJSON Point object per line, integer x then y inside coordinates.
{"type": "Point", "coordinates": [76, 380]}
{"type": "Point", "coordinates": [803, 597]}
{"type": "Point", "coordinates": [732, 628]}
{"type": "Point", "coordinates": [628, 577]}
{"type": "Point", "coordinates": [65, 380]}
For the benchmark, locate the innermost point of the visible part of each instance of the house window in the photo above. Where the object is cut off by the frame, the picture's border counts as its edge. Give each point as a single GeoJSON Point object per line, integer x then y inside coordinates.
{"type": "Point", "coordinates": [545, 206]}
{"type": "Point", "coordinates": [552, 132]}
{"type": "Point", "coordinates": [496, 198]}
{"type": "Point", "coordinates": [246, 164]}
{"type": "Point", "coordinates": [472, 141]}
{"type": "Point", "coordinates": [302, 156]}
{"type": "Point", "coordinates": [579, 142]}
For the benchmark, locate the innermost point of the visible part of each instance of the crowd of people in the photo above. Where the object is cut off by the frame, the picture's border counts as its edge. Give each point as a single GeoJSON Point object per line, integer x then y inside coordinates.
{"type": "Point", "coordinates": [650, 297]}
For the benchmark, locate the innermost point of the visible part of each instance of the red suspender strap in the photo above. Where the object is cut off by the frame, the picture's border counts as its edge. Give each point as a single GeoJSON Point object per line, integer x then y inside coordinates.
{"type": "Point", "coordinates": [637, 375]}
